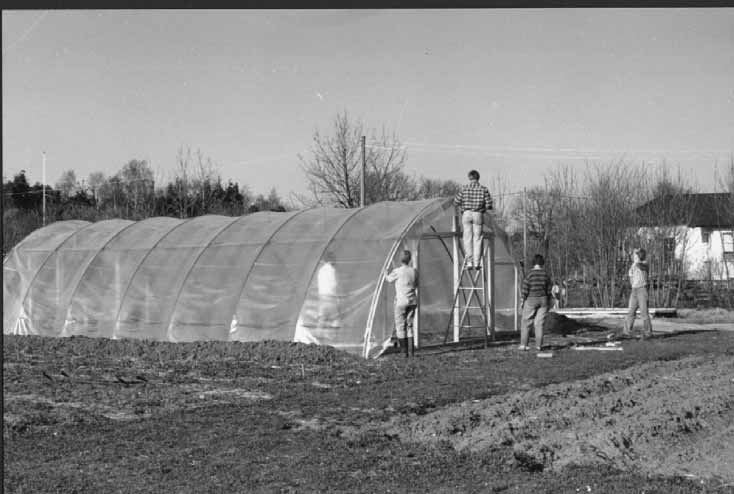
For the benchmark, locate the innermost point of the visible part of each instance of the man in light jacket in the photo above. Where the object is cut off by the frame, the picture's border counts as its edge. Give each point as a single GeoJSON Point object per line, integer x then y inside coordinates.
{"type": "Point", "coordinates": [406, 300]}
{"type": "Point", "coordinates": [638, 274]}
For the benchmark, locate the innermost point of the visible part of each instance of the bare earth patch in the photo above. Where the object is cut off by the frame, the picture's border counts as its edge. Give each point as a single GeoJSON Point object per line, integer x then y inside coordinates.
{"type": "Point", "coordinates": [150, 417]}
{"type": "Point", "coordinates": [669, 418]}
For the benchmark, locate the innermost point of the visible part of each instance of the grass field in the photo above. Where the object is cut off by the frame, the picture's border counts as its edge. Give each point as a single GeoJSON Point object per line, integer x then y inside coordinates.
{"type": "Point", "coordinates": [92, 415]}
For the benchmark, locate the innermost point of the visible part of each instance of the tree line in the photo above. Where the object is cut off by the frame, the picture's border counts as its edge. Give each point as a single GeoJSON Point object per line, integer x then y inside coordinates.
{"type": "Point", "coordinates": [196, 187]}
{"type": "Point", "coordinates": [585, 224]}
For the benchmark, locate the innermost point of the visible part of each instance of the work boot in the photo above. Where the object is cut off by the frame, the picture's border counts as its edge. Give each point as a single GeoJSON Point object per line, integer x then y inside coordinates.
{"type": "Point", "coordinates": [404, 345]}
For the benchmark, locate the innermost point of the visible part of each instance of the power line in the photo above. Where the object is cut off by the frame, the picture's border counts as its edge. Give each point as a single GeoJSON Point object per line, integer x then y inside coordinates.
{"type": "Point", "coordinates": [558, 153]}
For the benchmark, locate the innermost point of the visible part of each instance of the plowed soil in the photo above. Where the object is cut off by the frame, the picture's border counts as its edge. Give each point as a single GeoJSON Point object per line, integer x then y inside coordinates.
{"type": "Point", "coordinates": [92, 415]}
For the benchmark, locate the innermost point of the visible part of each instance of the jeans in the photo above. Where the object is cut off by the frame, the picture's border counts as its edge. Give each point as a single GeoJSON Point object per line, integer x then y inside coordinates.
{"type": "Point", "coordinates": [471, 224]}
{"type": "Point", "coordinates": [533, 313]}
{"type": "Point", "coordinates": [404, 320]}
{"type": "Point", "coordinates": [638, 298]}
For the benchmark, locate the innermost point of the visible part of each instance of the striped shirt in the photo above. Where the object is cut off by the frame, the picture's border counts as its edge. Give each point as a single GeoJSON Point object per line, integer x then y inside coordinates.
{"type": "Point", "coordinates": [473, 197]}
{"type": "Point", "coordinates": [638, 274]}
{"type": "Point", "coordinates": [536, 284]}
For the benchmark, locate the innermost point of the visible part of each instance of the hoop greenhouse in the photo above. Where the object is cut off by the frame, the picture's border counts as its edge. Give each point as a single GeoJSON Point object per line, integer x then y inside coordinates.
{"type": "Point", "coordinates": [247, 278]}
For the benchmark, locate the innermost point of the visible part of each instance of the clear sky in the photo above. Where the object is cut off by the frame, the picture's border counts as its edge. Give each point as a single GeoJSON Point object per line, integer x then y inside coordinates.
{"type": "Point", "coordinates": [508, 92]}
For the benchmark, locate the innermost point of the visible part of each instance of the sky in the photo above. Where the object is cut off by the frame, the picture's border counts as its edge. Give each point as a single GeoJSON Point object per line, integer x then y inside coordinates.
{"type": "Point", "coordinates": [511, 93]}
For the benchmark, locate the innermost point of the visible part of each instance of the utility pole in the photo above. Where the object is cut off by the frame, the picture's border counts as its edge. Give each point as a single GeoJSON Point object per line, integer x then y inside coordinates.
{"type": "Point", "coordinates": [364, 159]}
{"type": "Point", "coordinates": [524, 229]}
{"type": "Point", "coordinates": [43, 179]}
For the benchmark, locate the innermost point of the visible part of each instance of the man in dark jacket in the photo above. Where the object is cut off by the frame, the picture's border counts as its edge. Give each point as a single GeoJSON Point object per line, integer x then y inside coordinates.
{"type": "Point", "coordinates": [536, 288]}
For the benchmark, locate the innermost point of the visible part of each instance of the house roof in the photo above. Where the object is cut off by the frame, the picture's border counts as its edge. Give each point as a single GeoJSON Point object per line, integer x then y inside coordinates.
{"type": "Point", "coordinates": [712, 210]}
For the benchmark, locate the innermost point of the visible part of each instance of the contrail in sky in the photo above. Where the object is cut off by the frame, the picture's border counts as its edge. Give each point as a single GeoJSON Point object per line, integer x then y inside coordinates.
{"type": "Point", "coordinates": [26, 33]}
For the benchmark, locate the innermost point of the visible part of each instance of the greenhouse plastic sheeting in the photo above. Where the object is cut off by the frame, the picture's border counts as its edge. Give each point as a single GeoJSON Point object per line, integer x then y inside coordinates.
{"type": "Point", "coordinates": [315, 276]}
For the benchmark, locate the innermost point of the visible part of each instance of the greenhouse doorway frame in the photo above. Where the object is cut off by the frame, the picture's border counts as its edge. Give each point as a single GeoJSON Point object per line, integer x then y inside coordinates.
{"type": "Point", "coordinates": [455, 255]}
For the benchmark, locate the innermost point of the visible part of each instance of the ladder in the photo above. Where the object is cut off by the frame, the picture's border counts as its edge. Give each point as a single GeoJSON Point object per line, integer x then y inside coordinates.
{"type": "Point", "coordinates": [470, 298]}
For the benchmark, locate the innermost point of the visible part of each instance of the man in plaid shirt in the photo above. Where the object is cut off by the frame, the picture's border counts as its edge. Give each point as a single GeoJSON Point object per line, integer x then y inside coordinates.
{"type": "Point", "coordinates": [474, 200]}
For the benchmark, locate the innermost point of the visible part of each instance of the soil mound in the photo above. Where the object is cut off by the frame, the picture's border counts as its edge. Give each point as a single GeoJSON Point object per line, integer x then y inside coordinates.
{"type": "Point", "coordinates": [671, 418]}
{"type": "Point", "coordinates": [261, 352]}
{"type": "Point", "coordinates": [559, 324]}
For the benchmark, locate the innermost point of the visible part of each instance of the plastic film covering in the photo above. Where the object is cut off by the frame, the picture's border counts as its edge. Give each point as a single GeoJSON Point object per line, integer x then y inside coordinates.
{"type": "Point", "coordinates": [21, 267]}
{"type": "Point", "coordinates": [343, 289]}
{"type": "Point", "coordinates": [148, 300]}
{"type": "Point", "coordinates": [339, 296]}
{"type": "Point", "coordinates": [98, 296]}
{"type": "Point", "coordinates": [205, 309]}
{"type": "Point", "coordinates": [276, 284]}
{"type": "Point", "coordinates": [506, 285]}
{"type": "Point", "coordinates": [429, 218]}
{"type": "Point", "coordinates": [435, 267]}
{"type": "Point", "coordinates": [314, 276]}
{"type": "Point", "coordinates": [57, 281]}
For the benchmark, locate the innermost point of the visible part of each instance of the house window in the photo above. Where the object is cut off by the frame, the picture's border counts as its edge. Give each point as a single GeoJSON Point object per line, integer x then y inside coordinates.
{"type": "Point", "coordinates": [705, 236]}
{"type": "Point", "coordinates": [668, 250]}
{"type": "Point", "coordinates": [728, 239]}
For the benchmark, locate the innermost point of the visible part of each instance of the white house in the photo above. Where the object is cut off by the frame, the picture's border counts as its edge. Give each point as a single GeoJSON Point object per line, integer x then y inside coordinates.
{"type": "Point", "coordinates": [697, 228]}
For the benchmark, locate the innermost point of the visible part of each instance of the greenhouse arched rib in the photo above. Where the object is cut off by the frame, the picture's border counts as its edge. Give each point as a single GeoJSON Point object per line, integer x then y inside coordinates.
{"type": "Point", "coordinates": [115, 321]}
{"type": "Point", "coordinates": [325, 249]}
{"type": "Point", "coordinates": [64, 307]}
{"type": "Point", "coordinates": [259, 253]}
{"type": "Point", "coordinates": [191, 268]}
{"type": "Point", "coordinates": [35, 275]}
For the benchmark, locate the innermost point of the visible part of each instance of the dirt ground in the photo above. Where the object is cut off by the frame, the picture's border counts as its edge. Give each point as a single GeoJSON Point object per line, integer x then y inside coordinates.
{"type": "Point", "coordinates": [93, 415]}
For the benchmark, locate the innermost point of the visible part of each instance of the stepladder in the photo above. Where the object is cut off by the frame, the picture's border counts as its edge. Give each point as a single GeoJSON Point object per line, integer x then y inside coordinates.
{"type": "Point", "coordinates": [471, 301]}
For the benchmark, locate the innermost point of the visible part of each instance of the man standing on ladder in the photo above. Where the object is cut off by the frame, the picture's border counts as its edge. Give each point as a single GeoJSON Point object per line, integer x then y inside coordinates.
{"type": "Point", "coordinates": [474, 200]}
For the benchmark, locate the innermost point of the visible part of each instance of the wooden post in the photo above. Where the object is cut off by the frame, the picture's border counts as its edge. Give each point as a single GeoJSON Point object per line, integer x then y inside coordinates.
{"type": "Point", "coordinates": [364, 163]}
{"type": "Point", "coordinates": [455, 244]}
{"type": "Point", "coordinates": [44, 189]}
{"type": "Point", "coordinates": [490, 300]}
{"type": "Point", "coordinates": [417, 315]}
{"type": "Point", "coordinates": [118, 301]}
{"type": "Point", "coordinates": [59, 287]}
{"type": "Point", "coordinates": [516, 298]}
{"type": "Point", "coordinates": [524, 230]}
{"type": "Point", "coordinates": [58, 274]}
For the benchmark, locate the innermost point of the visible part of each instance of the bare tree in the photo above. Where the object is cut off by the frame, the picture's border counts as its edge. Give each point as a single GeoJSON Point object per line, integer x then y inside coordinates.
{"type": "Point", "coordinates": [138, 185]}
{"type": "Point", "coordinates": [272, 202]}
{"type": "Point", "coordinates": [725, 211]}
{"type": "Point", "coordinates": [611, 194]}
{"type": "Point", "coordinates": [112, 197]}
{"type": "Point", "coordinates": [537, 210]}
{"type": "Point", "coordinates": [664, 219]}
{"type": "Point", "coordinates": [427, 188]}
{"type": "Point", "coordinates": [94, 182]}
{"type": "Point", "coordinates": [205, 179]}
{"type": "Point", "coordinates": [333, 170]}
{"type": "Point", "coordinates": [180, 190]}
{"type": "Point", "coordinates": [498, 189]}
{"type": "Point", "coordinates": [67, 184]}
{"type": "Point", "coordinates": [565, 241]}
